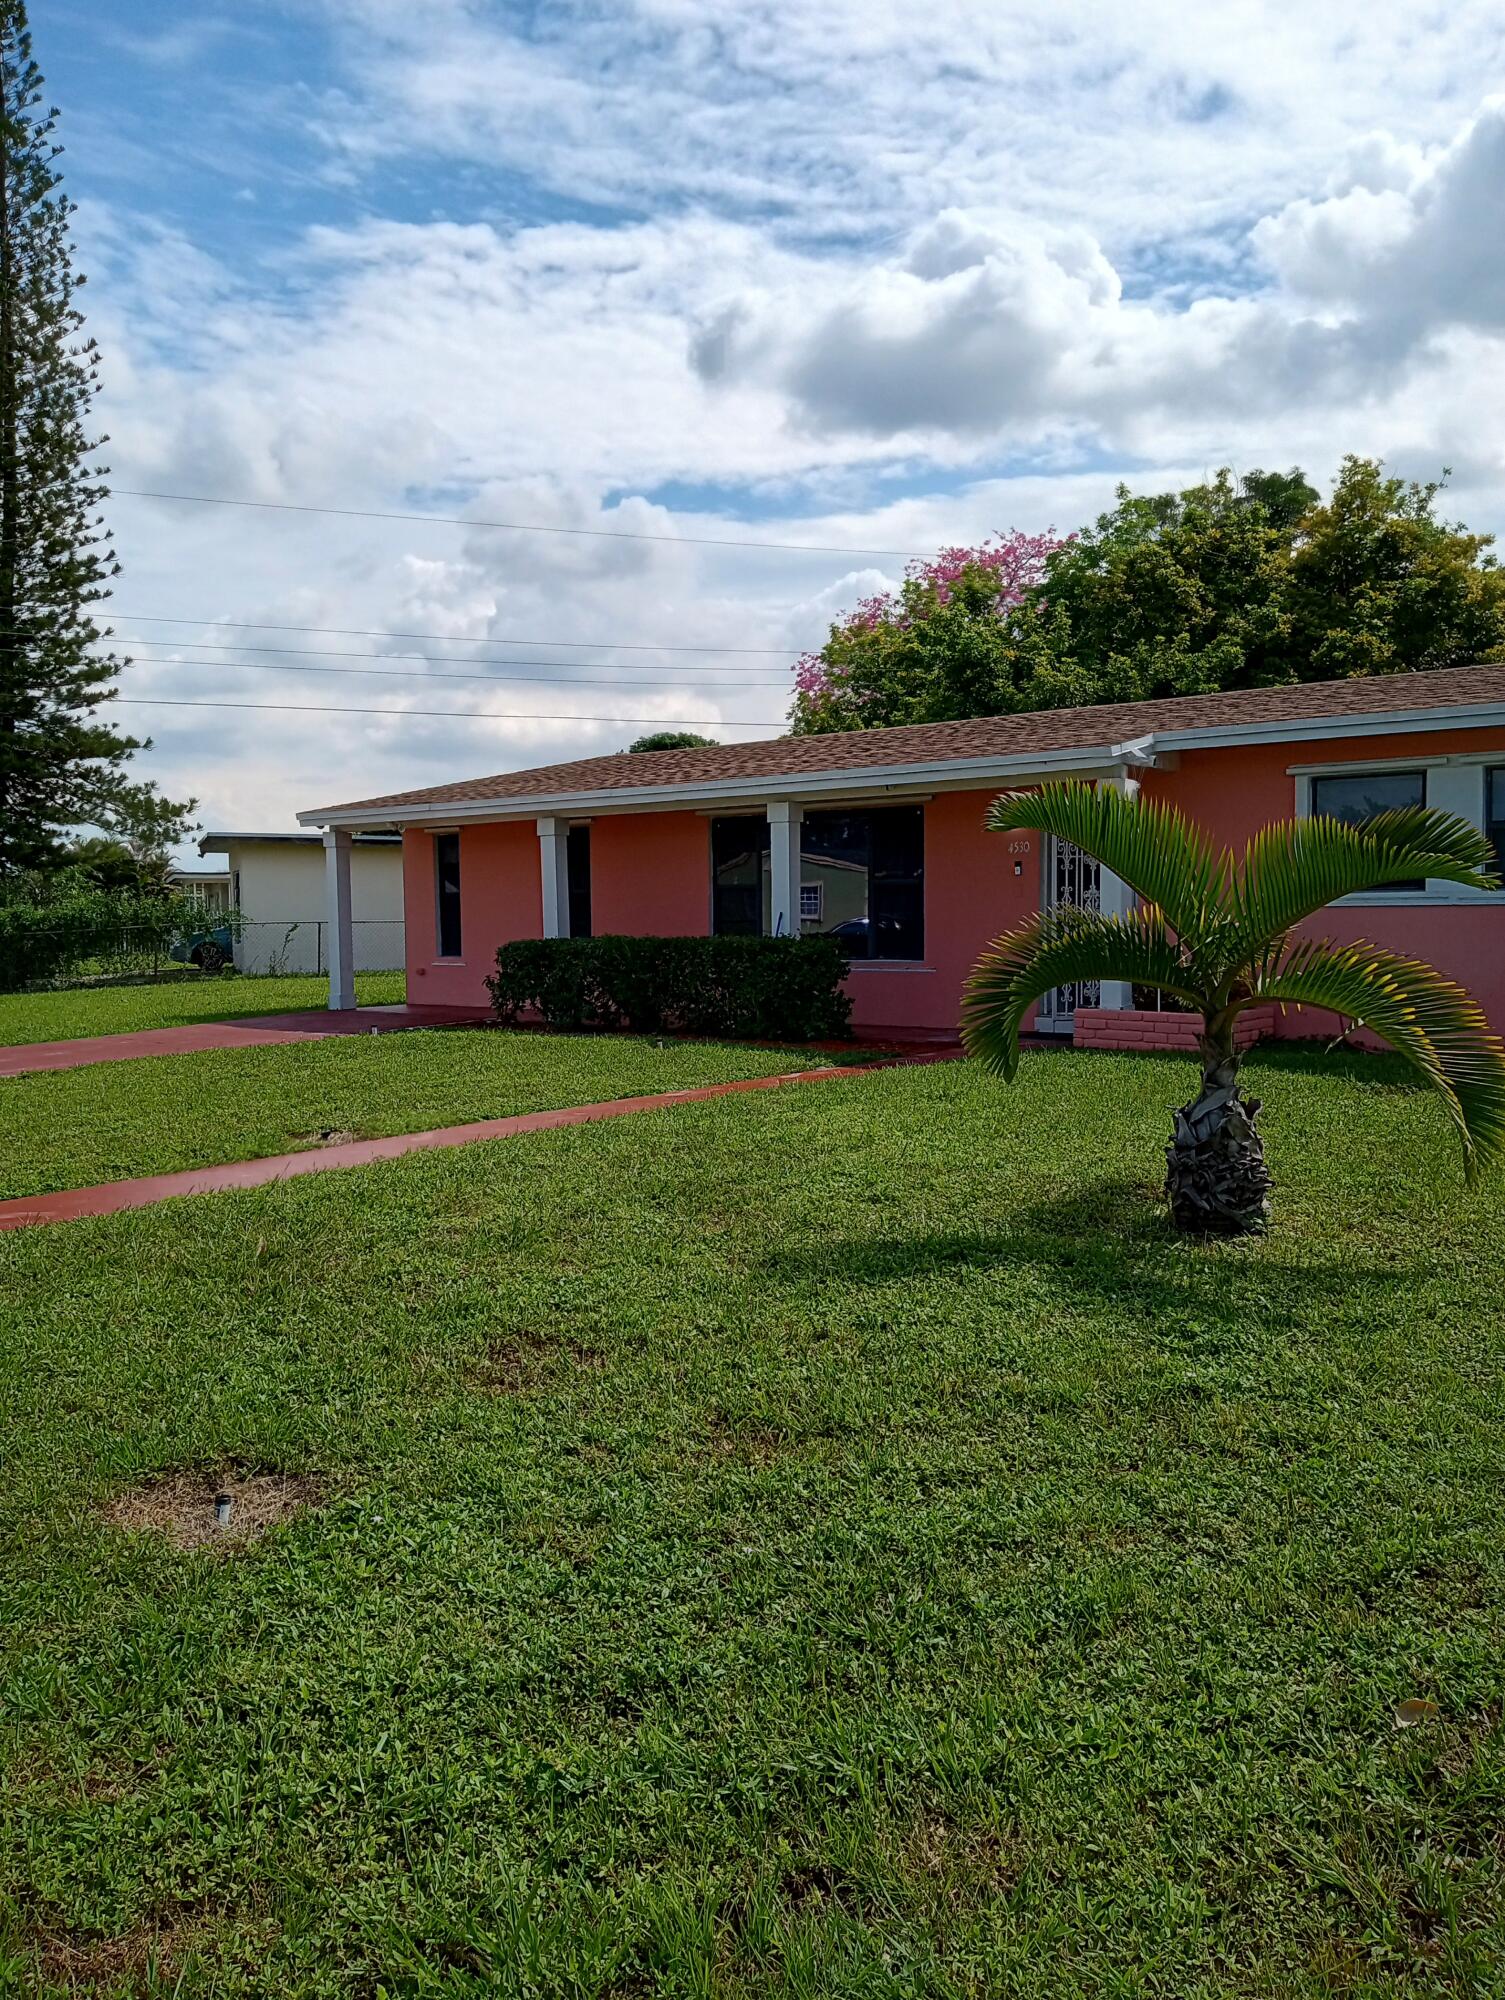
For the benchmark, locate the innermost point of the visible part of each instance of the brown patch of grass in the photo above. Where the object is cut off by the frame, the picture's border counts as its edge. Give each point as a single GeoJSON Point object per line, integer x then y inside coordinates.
{"type": "Point", "coordinates": [753, 1443]}
{"type": "Point", "coordinates": [82, 1964]}
{"type": "Point", "coordinates": [516, 1363]}
{"type": "Point", "coordinates": [957, 1866]}
{"type": "Point", "coordinates": [183, 1506]}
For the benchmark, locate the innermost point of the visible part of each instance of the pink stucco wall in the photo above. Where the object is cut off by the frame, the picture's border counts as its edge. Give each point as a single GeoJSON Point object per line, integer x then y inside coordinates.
{"type": "Point", "coordinates": [650, 876]}
{"type": "Point", "coordinates": [501, 896]}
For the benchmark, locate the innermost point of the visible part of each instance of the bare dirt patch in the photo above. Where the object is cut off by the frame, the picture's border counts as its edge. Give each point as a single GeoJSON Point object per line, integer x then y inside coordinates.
{"type": "Point", "coordinates": [191, 1510]}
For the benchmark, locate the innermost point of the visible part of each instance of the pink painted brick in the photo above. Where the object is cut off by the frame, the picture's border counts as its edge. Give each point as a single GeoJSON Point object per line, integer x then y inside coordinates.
{"type": "Point", "coordinates": [1146, 1029]}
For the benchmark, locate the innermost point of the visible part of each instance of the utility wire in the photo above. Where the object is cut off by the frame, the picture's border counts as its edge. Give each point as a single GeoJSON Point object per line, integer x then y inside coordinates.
{"type": "Point", "coordinates": [442, 638]}
{"type": "Point", "coordinates": [129, 642]}
{"type": "Point", "coordinates": [515, 527]}
{"type": "Point", "coordinates": [452, 714]}
{"type": "Point", "coordinates": [415, 673]}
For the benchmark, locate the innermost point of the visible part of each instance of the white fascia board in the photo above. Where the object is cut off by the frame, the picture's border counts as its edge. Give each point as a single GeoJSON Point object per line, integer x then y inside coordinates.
{"type": "Point", "coordinates": [1394, 722]}
{"type": "Point", "coordinates": [953, 773]}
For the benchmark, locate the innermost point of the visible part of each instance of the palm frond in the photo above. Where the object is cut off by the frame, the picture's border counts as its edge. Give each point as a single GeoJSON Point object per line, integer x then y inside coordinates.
{"type": "Point", "coordinates": [1298, 866]}
{"type": "Point", "coordinates": [1163, 857]}
{"type": "Point", "coordinates": [1439, 1028]}
{"type": "Point", "coordinates": [1061, 947]}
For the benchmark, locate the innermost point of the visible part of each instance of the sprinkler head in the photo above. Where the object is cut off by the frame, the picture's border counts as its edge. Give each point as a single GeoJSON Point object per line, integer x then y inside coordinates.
{"type": "Point", "coordinates": [223, 1506]}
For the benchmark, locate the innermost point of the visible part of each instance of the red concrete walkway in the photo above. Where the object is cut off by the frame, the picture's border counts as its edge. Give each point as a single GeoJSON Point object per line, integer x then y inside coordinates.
{"type": "Point", "coordinates": [259, 1031]}
{"type": "Point", "coordinates": [112, 1196]}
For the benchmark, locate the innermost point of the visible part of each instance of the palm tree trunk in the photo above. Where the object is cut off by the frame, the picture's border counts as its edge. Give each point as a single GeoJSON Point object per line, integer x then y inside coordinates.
{"type": "Point", "coordinates": [1216, 1179]}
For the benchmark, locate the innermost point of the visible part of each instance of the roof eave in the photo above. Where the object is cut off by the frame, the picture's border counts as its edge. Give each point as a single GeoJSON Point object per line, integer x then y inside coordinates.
{"type": "Point", "coordinates": [948, 773]}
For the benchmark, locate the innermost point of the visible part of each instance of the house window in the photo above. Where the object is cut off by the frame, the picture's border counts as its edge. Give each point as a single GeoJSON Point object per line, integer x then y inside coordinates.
{"type": "Point", "coordinates": [578, 862]}
{"type": "Point", "coordinates": [1494, 813]}
{"type": "Point", "coordinates": [739, 876]}
{"type": "Point", "coordinates": [447, 893]}
{"type": "Point", "coordinates": [1357, 796]}
{"type": "Point", "coordinates": [862, 879]}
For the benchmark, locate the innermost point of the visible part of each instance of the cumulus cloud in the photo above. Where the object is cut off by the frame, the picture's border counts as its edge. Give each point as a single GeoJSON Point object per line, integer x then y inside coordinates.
{"type": "Point", "coordinates": [1412, 244]}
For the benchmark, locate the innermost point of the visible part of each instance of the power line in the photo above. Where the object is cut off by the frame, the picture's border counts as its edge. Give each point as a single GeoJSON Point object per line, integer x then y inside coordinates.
{"type": "Point", "coordinates": [451, 714]}
{"type": "Point", "coordinates": [415, 673]}
{"type": "Point", "coordinates": [517, 527]}
{"type": "Point", "coordinates": [443, 638]}
{"type": "Point", "coordinates": [132, 640]}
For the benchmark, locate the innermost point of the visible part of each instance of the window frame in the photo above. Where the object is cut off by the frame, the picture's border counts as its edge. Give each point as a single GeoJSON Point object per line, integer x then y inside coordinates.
{"type": "Point", "coordinates": [1412, 770]}
{"type": "Point", "coordinates": [1455, 782]}
{"type": "Point", "coordinates": [441, 900]}
{"type": "Point", "coordinates": [876, 876]}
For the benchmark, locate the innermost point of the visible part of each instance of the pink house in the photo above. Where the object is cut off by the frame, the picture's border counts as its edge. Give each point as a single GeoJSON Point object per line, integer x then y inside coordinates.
{"type": "Point", "coordinates": [879, 837]}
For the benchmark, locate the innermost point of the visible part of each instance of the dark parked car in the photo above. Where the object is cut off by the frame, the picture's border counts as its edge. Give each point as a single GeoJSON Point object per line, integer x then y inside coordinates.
{"type": "Point", "coordinates": [210, 951]}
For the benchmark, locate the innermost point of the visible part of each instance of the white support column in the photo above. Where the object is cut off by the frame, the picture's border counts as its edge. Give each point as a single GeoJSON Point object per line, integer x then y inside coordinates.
{"type": "Point", "coordinates": [554, 860]}
{"type": "Point", "coordinates": [784, 821]}
{"type": "Point", "coordinates": [1116, 899]}
{"type": "Point", "coordinates": [338, 912]}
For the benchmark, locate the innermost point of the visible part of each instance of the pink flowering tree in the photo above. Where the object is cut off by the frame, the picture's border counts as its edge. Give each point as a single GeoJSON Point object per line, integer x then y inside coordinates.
{"type": "Point", "coordinates": [941, 647]}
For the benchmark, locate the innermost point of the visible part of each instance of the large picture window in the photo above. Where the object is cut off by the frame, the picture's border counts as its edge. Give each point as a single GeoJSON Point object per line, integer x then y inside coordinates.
{"type": "Point", "coordinates": [1494, 813]}
{"type": "Point", "coordinates": [1357, 796]}
{"type": "Point", "coordinates": [862, 879]}
{"type": "Point", "coordinates": [447, 893]}
{"type": "Point", "coordinates": [739, 876]}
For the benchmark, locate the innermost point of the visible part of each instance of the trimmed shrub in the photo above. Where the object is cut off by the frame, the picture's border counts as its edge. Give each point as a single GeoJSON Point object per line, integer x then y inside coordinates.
{"type": "Point", "coordinates": [765, 989]}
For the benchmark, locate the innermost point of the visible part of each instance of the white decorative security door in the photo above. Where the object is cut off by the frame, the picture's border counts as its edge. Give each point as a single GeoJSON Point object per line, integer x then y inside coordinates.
{"type": "Point", "coordinates": [1072, 878]}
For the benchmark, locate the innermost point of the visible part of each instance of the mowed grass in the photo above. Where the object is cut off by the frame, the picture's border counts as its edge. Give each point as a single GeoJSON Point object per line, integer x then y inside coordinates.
{"type": "Point", "coordinates": [826, 1542]}
{"type": "Point", "coordinates": [120, 1010]}
{"type": "Point", "coordinates": [111, 1121]}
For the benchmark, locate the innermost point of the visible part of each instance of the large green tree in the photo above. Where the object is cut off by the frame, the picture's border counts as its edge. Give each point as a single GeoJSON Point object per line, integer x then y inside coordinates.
{"type": "Point", "coordinates": [60, 765]}
{"type": "Point", "coordinates": [1237, 582]}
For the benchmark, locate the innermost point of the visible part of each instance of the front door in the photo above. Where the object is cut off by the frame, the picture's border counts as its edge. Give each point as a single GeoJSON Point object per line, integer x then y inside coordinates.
{"type": "Point", "coordinates": [1075, 879]}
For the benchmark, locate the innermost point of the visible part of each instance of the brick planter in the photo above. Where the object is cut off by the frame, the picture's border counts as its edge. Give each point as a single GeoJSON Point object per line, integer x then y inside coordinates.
{"type": "Point", "coordinates": [1144, 1029]}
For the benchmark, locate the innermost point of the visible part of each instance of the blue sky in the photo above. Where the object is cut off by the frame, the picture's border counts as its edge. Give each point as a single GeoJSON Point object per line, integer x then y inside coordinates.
{"type": "Point", "coordinates": [844, 274]}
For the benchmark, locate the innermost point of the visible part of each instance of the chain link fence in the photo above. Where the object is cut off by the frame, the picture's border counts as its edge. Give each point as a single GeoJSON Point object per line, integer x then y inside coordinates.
{"type": "Point", "coordinates": [303, 946]}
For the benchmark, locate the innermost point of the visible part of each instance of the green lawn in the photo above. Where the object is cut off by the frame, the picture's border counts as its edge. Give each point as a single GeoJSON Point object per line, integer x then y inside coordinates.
{"type": "Point", "coordinates": [119, 1010]}
{"type": "Point", "coordinates": [825, 1542]}
{"type": "Point", "coordinates": [110, 1121]}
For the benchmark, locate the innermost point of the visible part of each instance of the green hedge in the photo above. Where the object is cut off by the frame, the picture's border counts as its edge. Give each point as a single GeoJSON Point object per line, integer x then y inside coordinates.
{"type": "Point", "coordinates": [768, 989]}
{"type": "Point", "coordinates": [77, 930]}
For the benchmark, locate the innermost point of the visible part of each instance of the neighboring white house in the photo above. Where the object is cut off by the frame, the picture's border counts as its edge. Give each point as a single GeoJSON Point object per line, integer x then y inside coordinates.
{"type": "Point", "coordinates": [277, 885]}
{"type": "Point", "coordinates": [211, 886]}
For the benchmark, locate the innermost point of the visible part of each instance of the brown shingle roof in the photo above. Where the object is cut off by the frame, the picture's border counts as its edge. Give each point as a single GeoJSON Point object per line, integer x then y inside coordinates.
{"type": "Point", "coordinates": [1041, 731]}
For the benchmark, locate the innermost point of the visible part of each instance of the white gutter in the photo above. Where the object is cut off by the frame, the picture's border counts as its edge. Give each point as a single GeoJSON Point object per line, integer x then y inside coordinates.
{"type": "Point", "coordinates": [1387, 722]}
{"type": "Point", "coordinates": [952, 772]}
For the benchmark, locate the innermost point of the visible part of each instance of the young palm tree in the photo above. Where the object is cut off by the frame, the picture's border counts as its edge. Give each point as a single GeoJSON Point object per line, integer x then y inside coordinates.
{"type": "Point", "coordinates": [1218, 932]}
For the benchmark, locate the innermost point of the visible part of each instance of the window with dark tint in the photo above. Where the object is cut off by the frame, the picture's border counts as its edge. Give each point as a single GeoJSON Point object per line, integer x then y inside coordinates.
{"type": "Point", "coordinates": [578, 857]}
{"type": "Point", "coordinates": [1359, 797]}
{"type": "Point", "coordinates": [862, 879]}
{"type": "Point", "coordinates": [870, 868]}
{"type": "Point", "coordinates": [739, 876]}
{"type": "Point", "coordinates": [1494, 813]}
{"type": "Point", "coordinates": [447, 892]}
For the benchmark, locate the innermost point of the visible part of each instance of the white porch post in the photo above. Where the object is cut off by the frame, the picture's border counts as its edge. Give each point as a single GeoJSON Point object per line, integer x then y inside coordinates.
{"type": "Point", "coordinates": [341, 928]}
{"type": "Point", "coordinates": [784, 821]}
{"type": "Point", "coordinates": [554, 859]}
{"type": "Point", "coordinates": [1115, 899]}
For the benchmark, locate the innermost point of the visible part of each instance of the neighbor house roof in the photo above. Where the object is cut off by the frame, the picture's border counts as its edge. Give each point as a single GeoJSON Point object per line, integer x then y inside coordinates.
{"type": "Point", "coordinates": [220, 843]}
{"type": "Point", "coordinates": [982, 748]}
